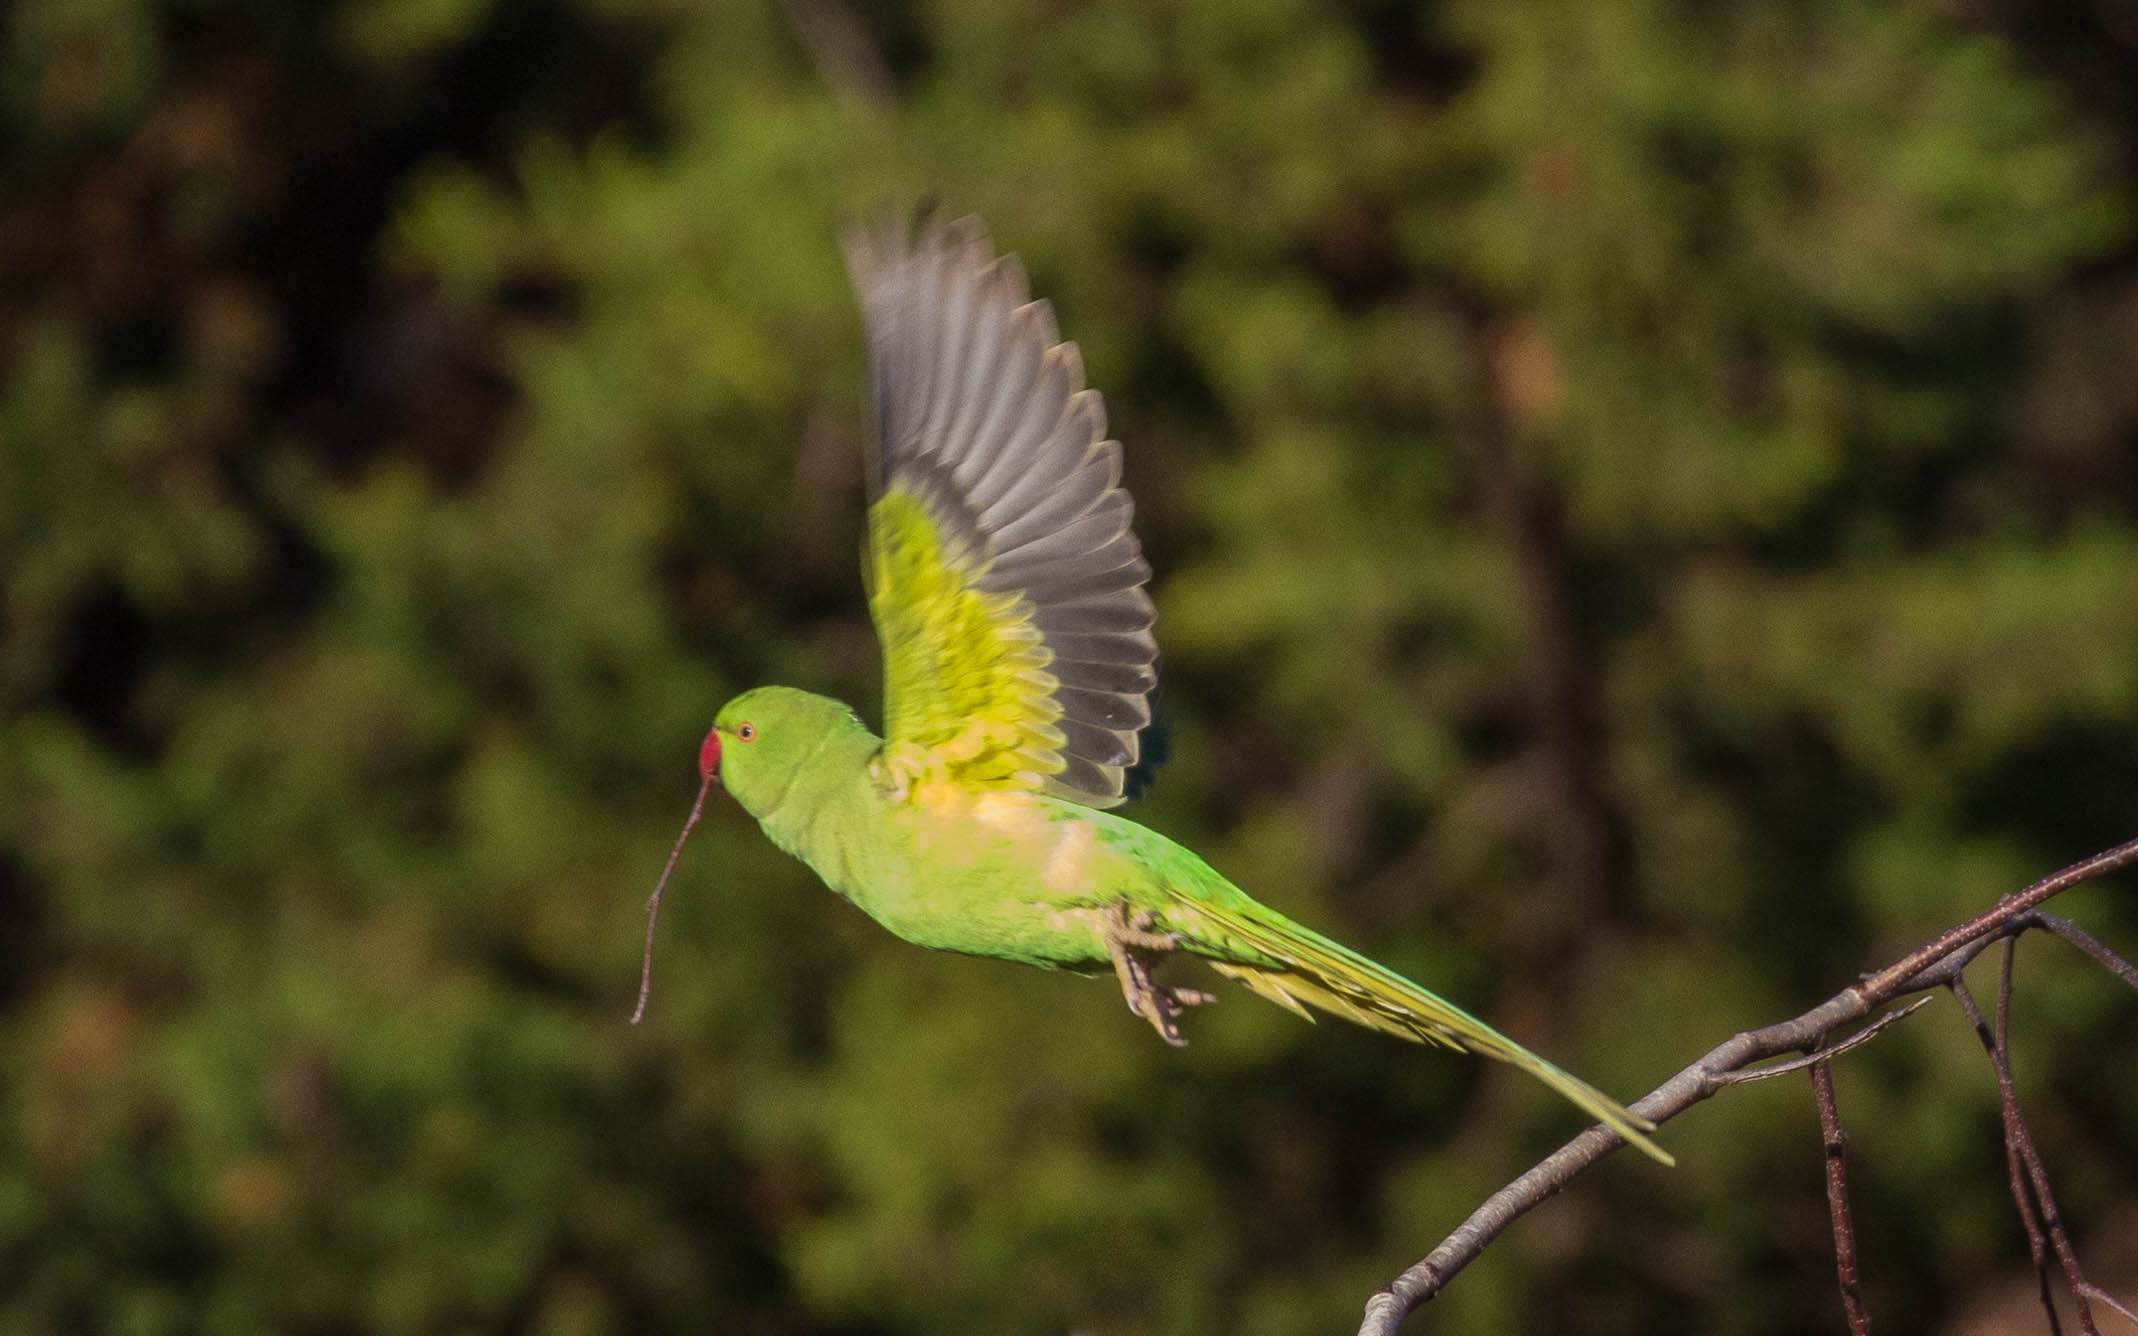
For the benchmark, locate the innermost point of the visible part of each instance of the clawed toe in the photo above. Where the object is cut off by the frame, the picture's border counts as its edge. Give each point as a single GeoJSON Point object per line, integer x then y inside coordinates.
{"type": "Point", "coordinates": [1131, 942]}
{"type": "Point", "coordinates": [1163, 1008]}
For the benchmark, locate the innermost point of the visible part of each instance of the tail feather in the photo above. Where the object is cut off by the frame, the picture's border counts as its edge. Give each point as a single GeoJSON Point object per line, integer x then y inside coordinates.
{"type": "Point", "coordinates": [1309, 970]}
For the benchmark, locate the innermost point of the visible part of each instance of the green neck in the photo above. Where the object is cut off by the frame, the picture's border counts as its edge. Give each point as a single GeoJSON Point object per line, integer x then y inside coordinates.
{"type": "Point", "coordinates": [824, 788]}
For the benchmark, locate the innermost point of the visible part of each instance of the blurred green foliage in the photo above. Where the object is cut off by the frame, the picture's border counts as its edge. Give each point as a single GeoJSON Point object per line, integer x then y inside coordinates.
{"type": "Point", "coordinates": [1646, 505]}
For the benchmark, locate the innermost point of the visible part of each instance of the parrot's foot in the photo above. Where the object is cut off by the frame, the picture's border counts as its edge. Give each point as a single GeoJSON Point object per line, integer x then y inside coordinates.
{"type": "Point", "coordinates": [1134, 946]}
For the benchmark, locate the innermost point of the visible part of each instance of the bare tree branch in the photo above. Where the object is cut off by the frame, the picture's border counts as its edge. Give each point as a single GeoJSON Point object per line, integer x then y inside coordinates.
{"type": "Point", "coordinates": [2084, 941]}
{"type": "Point", "coordinates": [1885, 985]}
{"type": "Point", "coordinates": [2037, 1242]}
{"type": "Point", "coordinates": [2109, 1301]}
{"type": "Point", "coordinates": [2019, 1143]}
{"type": "Point", "coordinates": [1863, 1036]}
{"type": "Point", "coordinates": [1931, 965]}
{"type": "Point", "coordinates": [1845, 1267]}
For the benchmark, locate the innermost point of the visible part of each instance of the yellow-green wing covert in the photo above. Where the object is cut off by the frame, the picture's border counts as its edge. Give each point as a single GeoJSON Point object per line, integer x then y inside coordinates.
{"type": "Point", "coordinates": [1003, 577]}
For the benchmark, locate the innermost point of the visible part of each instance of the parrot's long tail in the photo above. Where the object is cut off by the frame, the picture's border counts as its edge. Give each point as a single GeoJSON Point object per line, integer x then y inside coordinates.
{"type": "Point", "coordinates": [1316, 972]}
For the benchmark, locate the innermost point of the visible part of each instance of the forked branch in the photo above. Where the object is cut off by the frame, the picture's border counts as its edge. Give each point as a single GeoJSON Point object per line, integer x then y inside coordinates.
{"type": "Point", "coordinates": [1937, 963]}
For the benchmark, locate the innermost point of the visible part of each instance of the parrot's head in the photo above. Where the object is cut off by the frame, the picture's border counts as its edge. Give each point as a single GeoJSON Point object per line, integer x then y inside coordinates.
{"type": "Point", "coordinates": [757, 748]}
{"type": "Point", "coordinates": [760, 741]}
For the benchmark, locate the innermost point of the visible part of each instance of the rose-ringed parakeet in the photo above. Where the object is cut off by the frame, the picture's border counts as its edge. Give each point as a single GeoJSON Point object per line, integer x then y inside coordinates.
{"type": "Point", "coordinates": [1008, 591]}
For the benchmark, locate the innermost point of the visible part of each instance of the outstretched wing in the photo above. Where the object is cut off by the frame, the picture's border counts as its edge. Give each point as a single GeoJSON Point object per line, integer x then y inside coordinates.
{"type": "Point", "coordinates": [1004, 580]}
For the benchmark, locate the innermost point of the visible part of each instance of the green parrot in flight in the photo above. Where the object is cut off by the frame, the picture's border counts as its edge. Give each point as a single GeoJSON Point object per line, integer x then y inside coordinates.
{"type": "Point", "coordinates": [1008, 591]}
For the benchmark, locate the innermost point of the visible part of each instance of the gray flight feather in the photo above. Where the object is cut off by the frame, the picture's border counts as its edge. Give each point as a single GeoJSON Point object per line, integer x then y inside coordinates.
{"type": "Point", "coordinates": [982, 414]}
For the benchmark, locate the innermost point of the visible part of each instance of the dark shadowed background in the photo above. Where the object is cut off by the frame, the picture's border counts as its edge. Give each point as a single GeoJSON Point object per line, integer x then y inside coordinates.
{"type": "Point", "coordinates": [1645, 502]}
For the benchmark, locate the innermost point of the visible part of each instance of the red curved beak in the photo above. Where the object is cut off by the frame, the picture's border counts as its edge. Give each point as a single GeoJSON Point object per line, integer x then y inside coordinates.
{"type": "Point", "coordinates": [709, 756]}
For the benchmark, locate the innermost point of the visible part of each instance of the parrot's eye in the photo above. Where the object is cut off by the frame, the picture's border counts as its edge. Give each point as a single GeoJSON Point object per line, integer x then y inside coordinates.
{"type": "Point", "coordinates": [745, 732]}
